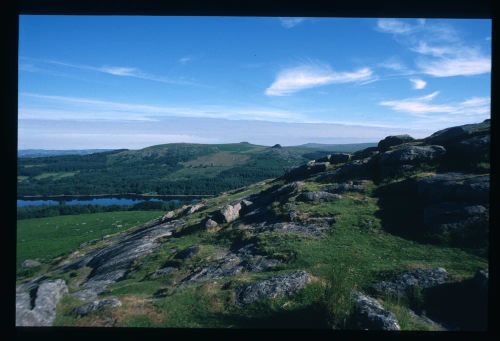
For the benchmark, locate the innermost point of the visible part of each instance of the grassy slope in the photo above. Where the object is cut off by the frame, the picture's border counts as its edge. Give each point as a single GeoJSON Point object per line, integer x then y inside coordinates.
{"type": "Point", "coordinates": [47, 238]}
{"type": "Point", "coordinates": [355, 253]}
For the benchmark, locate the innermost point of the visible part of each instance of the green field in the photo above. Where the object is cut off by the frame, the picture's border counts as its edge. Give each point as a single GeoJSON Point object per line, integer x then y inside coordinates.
{"type": "Point", "coordinates": [47, 238]}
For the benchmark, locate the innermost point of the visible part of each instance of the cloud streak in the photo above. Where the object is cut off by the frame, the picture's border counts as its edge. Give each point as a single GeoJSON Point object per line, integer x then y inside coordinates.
{"type": "Point", "coordinates": [307, 76]}
{"type": "Point", "coordinates": [422, 105]}
{"type": "Point", "coordinates": [119, 71]}
{"type": "Point", "coordinates": [291, 22]}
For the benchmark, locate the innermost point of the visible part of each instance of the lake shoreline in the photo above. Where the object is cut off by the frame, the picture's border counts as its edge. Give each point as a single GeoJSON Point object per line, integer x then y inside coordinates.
{"type": "Point", "coordinates": [110, 195]}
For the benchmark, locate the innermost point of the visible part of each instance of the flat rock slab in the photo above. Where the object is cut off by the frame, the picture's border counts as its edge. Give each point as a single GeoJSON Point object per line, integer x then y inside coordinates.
{"type": "Point", "coordinates": [273, 287]}
{"type": "Point", "coordinates": [36, 302]}
{"type": "Point", "coordinates": [318, 196]}
{"type": "Point", "coordinates": [96, 305]}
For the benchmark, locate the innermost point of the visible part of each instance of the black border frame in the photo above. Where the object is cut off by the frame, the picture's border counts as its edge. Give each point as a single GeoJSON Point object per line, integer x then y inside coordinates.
{"type": "Point", "coordinates": [480, 9]}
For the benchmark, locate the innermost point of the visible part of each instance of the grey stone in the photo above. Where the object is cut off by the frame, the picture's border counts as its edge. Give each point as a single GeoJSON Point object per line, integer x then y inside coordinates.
{"type": "Point", "coordinates": [370, 315]}
{"type": "Point", "coordinates": [318, 196]}
{"type": "Point", "coordinates": [193, 208]}
{"type": "Point", "coordinates": [210, 223]}
{"type": "Point", "coordinates": [30, 263]}
{"type": "Point", "coordinates": [395, 140]}
{"type": "Point", "coordinates": [304, 171]}
{"type": "Point", "coordinates": [36, 302]}
{"type": "Point", "coordinates": [403, 284]}
{"type": "Point", "coordinates": [470, 188]}
{"type": "Point", "coordinates": [444, 217]}
{"type": "Point", "coordinates": [96, 305]}
{"type": "Point", "coordinates": [277, 286]}
{"type": "Point", "coordinates": [163, 272]}
{"type": "Point", "coordinates": [230, 213]}
{"type": "Point", "coordinates": [411, 155]}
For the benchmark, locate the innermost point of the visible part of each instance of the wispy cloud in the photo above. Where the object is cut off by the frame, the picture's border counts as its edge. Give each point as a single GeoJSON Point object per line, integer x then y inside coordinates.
{"type": "Point", "coordinates": [291, 22]}
{"type": "Point", "coordinates": [418, 84]}
{"type": "Point", "coordinates": [120, 71]}
{"type": "Point", "coordinates": [444, 52]}
{"type": "Point", "coordinates": [186, 59]}
{"type": "Point", "coordinates": [394, 26]}
{"type": "Point", "coordinates": [312, 75]}
{"type": "Point", "coordinates": [77, 108]}
{"type": "Point", "coordinates": [423, 106]}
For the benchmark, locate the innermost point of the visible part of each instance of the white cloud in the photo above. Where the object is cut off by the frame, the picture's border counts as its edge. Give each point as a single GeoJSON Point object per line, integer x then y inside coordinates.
{"type": "Point", "coordinates": [418, 83]}
{"type": "Point", "coordinates": [422, 106]}
{"type": "Point", "coordinates": [120, 71]}
{"type": "Point", "coordinates": [307, 76]}
{"type": "Point", "coordinates": [436, 51]}
{"type": "Point", "coordinates": [459, 66]}
{"type": "Point", "coordinates": [291, 22]}
{"type": "Point", "coordinates": [394, 26]}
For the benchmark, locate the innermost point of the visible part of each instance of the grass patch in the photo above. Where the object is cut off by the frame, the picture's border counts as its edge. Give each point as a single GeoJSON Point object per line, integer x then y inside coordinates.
{"type": "Point", "coordinates": [47, 238]}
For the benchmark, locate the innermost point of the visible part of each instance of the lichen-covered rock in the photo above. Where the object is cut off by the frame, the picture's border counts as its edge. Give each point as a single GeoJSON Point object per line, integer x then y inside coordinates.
{"type": "Point", "coordinates": [210, 223]}
{"type": "Point", "coordinates": [36, 302]}
{"type": "Point", "coordinates": [356, 169]}
{"type": "Point", "coordinates": [403, 284]}
{"type": "Point", "coordinates": [230, 213]}
{"type": "Point", "coordinates": [193, 208]}
{"type": "Point", "coordinates": [460, 187]}
{"type": "Point", "coordinates": [318, 196]}
{"type": "Point", "coordinates": [370, 315]}
{"type": "Point", "coordinates": [309, 228]}
{"type": "Point", "coordinates": [96, 305]}
{"type": "Point", "coordinates": [410, 155]}
{"type": "Point", "coordinates": [30, 263]}
{"type": "Point", "coordinates": [167, 216]}
{"type": "Point", "coordinates": [395, 140]}
{"type": "Point", "coordinates": [455, 218]}
{"type": "Point", "coordinates": [273, 287]}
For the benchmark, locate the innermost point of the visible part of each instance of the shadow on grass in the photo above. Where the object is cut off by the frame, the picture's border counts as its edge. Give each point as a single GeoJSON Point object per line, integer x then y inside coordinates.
{"type": "Point", "coordinates": [309, 317]}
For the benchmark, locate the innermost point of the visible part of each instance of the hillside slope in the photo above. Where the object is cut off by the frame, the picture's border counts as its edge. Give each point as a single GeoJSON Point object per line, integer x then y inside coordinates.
{"type": "Point", "coordinates": [177, 168]}
{"type": "Point", "coordinates": [392, 237]}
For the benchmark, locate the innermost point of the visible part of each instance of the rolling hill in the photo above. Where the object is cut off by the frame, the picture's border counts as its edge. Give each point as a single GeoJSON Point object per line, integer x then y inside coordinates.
{"type": "Point", "coordinates": [178, 168]}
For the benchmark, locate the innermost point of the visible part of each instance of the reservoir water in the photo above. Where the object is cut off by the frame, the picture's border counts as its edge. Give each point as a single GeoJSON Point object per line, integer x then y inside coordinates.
{"type": "Point", "coordinates": [102, 201]}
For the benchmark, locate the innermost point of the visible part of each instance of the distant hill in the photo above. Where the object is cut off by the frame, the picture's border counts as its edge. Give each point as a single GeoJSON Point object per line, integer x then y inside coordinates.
{"type": "Point", "coordinates": [177, 168]}
{"type": "Point", "coordinates": [50, 152]}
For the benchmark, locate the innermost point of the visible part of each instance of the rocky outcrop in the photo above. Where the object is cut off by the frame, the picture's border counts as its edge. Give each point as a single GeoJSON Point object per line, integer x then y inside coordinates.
{"type": "Point", "coordinates": [304, 171]}
{"type": "Point", "coordinates": [451, 135]}
{"type": "Point", "coordinates": [314, 228]}
{"type": "Point", "coordinates": [96, 305]}
{"type": "Point", "coordinates": [405, 283]}
{"type": "Point", "coordinates": [30, 263]}
{"type": "Point", "coordinates": [454, 187]}
{"type": "Point", "coordinates": [370, 315]}
{"type": "Point", "coordinates": [210, 223]}
{"type": "Point", "coordinates": [277, 286]}
{"type": "Point", "coordinates": [193, 208]}
{"type": "Point", "coordinates": [318, 196]}
{"type": "Point", "coordinates": [391, 141]}
{"type": "Point", "coordinates": [36, 302]}
{"type": "Point", "coordinates": [356, 169]}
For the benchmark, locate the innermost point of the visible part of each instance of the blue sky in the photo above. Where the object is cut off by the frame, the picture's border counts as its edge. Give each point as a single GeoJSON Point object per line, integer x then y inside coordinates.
{"type": "Point", "coordinates": [132, 82]}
